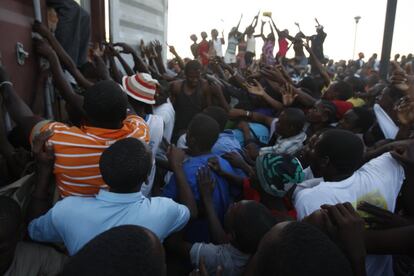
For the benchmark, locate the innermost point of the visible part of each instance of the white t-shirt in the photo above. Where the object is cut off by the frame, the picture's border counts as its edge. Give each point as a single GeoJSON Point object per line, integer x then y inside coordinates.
{"type": "Point", "coordinates": [377, 182]}
{"type": "Point", "coordinates": [232, 260]}
{"type": "Point", "coordinates": [218, 47]}
{"type": "Point", "coordinates": [167, 113]}
{"type": "Point", "coordinates": [156, 128]}
{"type": "Point", "coordinates": [251, 44]}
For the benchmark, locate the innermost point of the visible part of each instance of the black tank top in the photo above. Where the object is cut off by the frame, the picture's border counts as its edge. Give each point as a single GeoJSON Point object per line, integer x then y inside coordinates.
{"type": "Point", "coordinates": [186, 107]}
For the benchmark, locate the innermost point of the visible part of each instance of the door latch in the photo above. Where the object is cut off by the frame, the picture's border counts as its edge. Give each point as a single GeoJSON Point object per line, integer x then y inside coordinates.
{"type": "Point", "coordinates": [21, 53]}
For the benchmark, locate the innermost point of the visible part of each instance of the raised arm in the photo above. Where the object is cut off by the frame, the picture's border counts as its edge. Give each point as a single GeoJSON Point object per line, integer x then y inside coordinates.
{"type": "Point", "coordinates": [217, 92]}
{"type": "Point", "coordinates": [66, 60]}
{"type": "Point", "coordinates": [238, 24]}
{"type": "Point", "coordinates": [18, 110]}
{"type": "Point", "coordinates": [319, 66]}
{"type": "Point", "coordinates": [177, 57]}
{"type": "Point", "coordinates": [206, 185]}
{"type": "Point", "coordinates": [41, 199]}
{"type": "Point", "coordinates": [128, 70]}
{"type": "Point", "coordinates": [115, 73]}
{"type": "Point", "coordinates": [258, 90]}
{"type": "Point", "coordinates": [71, 98]}
{"type": "Point", "coordinates": [158, 57]}
{"type": "Point", "coordinates": [255, 20]}
{"type": "Point", "coordinates": [139, 64]}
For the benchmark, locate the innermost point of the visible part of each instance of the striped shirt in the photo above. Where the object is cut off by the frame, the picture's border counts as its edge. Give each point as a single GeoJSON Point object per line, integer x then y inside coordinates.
{"type": "Point", "coordinates": [78, 150]}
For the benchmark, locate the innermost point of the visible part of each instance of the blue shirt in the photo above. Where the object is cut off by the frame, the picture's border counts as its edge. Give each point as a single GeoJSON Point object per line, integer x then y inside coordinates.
{"type": "Point", "coordinates": [260, 131]}
{"type": "Point", "coordinates": [76, 220]}
{"type": "Point", "coordinates": [226, 142]}
{"type": "Point", "coordinates": [197, 229]}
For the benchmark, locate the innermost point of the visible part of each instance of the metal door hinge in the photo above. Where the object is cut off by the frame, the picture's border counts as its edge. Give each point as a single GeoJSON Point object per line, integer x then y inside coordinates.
{"type": "Point", "coordinates": [21, 53]}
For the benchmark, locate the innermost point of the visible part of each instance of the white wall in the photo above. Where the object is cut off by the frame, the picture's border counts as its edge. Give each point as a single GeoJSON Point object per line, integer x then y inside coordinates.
{"type": "Point", "coordinates": [133, 20]}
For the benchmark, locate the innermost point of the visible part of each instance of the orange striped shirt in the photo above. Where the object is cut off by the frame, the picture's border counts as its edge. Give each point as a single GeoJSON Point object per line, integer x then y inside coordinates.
{"type": "Point", "coordinates": [78, 150]}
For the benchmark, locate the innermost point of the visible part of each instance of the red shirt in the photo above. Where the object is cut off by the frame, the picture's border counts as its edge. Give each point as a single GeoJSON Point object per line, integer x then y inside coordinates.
{"type": "Point", "coordinates": [251, 194]}
{"type": "Point", "coordinates": [283, 47]}
{"type": "Point", "coordinates": [203, 47]}
{"type": "Point", "coordinates": [342, 107]}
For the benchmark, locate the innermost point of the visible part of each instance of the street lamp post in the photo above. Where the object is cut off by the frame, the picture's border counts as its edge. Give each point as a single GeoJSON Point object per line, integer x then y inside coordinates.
{"type": "Point", "coordinates": [357, 18]}
{"type": "Point", "coordinates": [387, 40]}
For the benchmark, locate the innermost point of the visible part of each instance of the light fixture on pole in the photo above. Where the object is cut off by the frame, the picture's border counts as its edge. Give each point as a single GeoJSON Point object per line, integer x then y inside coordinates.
{"type": "Point", "coordinates": [357, 18]}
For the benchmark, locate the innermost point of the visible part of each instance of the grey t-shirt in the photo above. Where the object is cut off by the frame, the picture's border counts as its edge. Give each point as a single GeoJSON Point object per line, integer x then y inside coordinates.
{"type": "Point", "coordinates": [36, 259]}
{"type": "Point", "coordinates": [232, 260]}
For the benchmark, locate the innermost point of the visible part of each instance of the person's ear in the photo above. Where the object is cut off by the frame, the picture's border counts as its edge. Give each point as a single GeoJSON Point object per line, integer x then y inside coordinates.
{"type": "Point", "coordinates": [324, 162]}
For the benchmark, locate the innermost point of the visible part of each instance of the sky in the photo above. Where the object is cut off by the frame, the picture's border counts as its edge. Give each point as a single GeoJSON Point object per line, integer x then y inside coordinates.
{"type": "Point", "coordinates": [337, 16]}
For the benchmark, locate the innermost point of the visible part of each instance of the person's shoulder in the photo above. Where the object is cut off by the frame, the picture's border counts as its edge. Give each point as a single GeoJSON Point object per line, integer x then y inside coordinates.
{"type": "Point", "coordinates": [174, 85]}
{"type": "Point", "coordinates": [164, 201]}
{"type": "Point", "coordinates": [70, 204]}
{"type": "Point", "coordinates": [156, 119]}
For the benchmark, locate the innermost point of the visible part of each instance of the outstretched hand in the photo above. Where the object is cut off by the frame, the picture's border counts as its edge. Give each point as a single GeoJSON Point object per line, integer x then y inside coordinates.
{"type": "Point", "coordinates": [214, 164]}
{"type": "Point", "coordinates": [288, 94]}
{"type": "Point", "coordinates": [43, 151]}
{"type": "Point", "coordinates": [405, 154]}
{"type": "Point", "coordinates": [346, 227]}
{"type": "Point", "coordinates": [126, 48]}
{"type": "Point", "coordinates": [255, 89]}
{"type": "Point", "coordinates": [405, 111]}
{"type": "Point", "coordinates": [206, 182]}
{"type": "Point", "coordinates": [157, 47]}
{"type": "Point", "coordinates": [380, 218]}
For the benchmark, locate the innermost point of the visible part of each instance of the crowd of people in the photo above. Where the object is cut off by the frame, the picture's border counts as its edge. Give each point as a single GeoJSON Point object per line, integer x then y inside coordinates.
{"type": "Point", "coordinates": [222, 164]}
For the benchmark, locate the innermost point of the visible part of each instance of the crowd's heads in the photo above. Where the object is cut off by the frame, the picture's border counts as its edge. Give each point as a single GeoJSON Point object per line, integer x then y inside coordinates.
{"type": "Point", "coordinates": [388, 97]}
{"type": "Point", "coordinates": [339, 91]}
{"type": "Point", "coordinates": [141, 87]}
{"type": "Point", "coordinates": [124, 250]}
{"type": "Point", "coordinates": [218, 114]}
{"type": "Point", "coordinates": [296, 249]}
{"type": "Point", "coordinates": [361, 55]}
{"type": "Point", "coordinates": [192, 73]}
{"type": "Point", "coordinates": [105, 104]}
{"type": "Point", "coordinates": [337, 152]}
{"type": "Point", "coordinates": [204, 35]}
{"type": "Point", "coordinates": [371, 81]}
{"type": "Point", "coordinates": [277, 174]}
{"type": "Point", "coordinates": [291, 122]}
{"type": "Point", "coordinates": [125, 165]}
{"type": "Point", "coordinates": [357, 120]}
{"type": "Point", "coordinates": [319, 29]}
{"type": "Point", "coordinates": [194, 38]}
{"type": "Point", "coordinates": [10, 230]}
{"type": "Point", "coordinates": [357, 84]}
{"type": "Point", "coordinates": [248, 212]}
{"type": "Point", "coordinates": [299, 35]}
{"type": "Point", "coordinates": [202, 133]}
{"type": "Point", "coordinates": [249, 30]}
{"type": "Point", "coordinates": [323, 112]}
{"type": "Point", "coordinates": [214, 33]}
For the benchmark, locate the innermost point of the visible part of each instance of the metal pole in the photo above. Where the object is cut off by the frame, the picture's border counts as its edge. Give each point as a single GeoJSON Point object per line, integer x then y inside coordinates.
{"type": "Point", "coordinates": [357, 18]}
{"type": "Point", "coordinates": [353, 52]}
{"type": "Point", "coordinates": [387, 40]}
